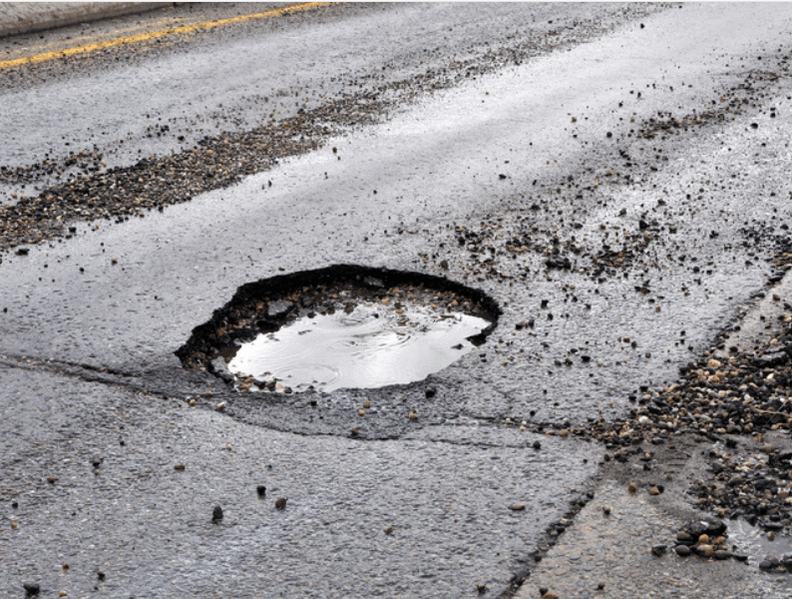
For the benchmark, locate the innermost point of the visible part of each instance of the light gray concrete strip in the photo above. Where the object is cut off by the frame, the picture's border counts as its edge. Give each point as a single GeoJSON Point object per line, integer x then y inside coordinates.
{"type": "Point", "coordinates": [26, 17]}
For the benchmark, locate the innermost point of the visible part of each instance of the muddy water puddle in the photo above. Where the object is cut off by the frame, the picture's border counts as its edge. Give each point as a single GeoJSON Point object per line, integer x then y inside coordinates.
{"type": "Point", "coordinates": [367, 346]}
{"type": "Point", "coordinates": [755, 542]}
{"type": "Point", "coordinates": [340, 327]}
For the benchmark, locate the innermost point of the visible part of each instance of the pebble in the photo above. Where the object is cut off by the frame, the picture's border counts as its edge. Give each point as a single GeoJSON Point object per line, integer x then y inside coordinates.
{"type": "Point", "coordinates": [217, 514]}
{"type": "Point", "coordinates": [659, 550]}
{"type": "Point", "coordinates": [280, 503]}
{"type": "Point", "coordinates": [261, 490]}
{"type": "Point", "coordinates": [705, 550]}
{"type": "Point", "coordinates": [31, 589]}
{"type": "Point", "coordinates": [517, 507]}
{"type": "Point", "coordinates": [682, 550]}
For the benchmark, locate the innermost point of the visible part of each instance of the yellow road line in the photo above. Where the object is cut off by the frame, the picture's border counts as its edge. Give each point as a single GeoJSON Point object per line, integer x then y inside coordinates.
{"type": "Point", "coordinates": [25, 60]}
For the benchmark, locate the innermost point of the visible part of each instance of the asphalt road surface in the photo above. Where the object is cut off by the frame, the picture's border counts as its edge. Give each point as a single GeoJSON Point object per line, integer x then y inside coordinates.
{"type": "Point", "coordinates": [613, 176]}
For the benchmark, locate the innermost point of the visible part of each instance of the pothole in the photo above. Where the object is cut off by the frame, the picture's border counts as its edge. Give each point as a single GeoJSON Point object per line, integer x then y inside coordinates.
{"type": "Point", "coordinates": [345, 326]}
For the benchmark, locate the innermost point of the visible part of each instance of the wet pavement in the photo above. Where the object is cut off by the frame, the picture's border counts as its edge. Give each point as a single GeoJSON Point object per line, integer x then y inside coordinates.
{"type": "Point", "coordinates": [621, 196]}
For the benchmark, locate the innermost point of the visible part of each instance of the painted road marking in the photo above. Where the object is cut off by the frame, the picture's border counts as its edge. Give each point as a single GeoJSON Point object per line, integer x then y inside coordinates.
{"type": "Point", "coordinates": [36, 58]}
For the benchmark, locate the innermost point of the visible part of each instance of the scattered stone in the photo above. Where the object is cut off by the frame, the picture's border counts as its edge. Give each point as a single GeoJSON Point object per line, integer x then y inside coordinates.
{"type": "Point", "coordinates": [517, 507]}
{"type": "Point", "coordinates": [32, 589]}
{"type": "Point", "coordinates": [261, 490]}
{"type": "Point", "coordinates": [705, 550]}
{"type": "Point", "coordinates": [659, 550]}
{"type": "Point", "coordinates": [217, 514]}
{"type": "Point", "coordinates": [389, 530]}
{"type": "Point", "coordinates": [481, 588]}
{"type": "Point", "coordinates": [279, 308]}
{"type": "Point", "coordinates": [632, 488]}
{"type": "Point", "coordinates": [179, 467]}
{"type": "Point", "coordinates": [682, 550]}
{"type": "Point", "coordinates": [101, 576]}
{"type": "Point", "coordinates": [280, 503]}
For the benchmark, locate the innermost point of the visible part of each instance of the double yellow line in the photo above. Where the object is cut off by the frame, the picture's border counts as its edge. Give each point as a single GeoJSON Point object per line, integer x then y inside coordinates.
{"type": "Point", "coordinates": [36, 58]}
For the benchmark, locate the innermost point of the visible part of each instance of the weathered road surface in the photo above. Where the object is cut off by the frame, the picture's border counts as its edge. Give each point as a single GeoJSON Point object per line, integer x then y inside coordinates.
{"type": "Point", "coordinates": [615, 176]}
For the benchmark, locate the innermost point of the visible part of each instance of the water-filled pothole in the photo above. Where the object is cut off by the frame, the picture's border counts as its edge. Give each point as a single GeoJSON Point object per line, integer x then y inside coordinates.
{"type": "Point", "coordinates": [343, 326]}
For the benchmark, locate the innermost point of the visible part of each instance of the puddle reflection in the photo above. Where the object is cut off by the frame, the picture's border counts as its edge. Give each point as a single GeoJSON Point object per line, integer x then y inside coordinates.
{"type": "Point", "coordinates": [372, 346]}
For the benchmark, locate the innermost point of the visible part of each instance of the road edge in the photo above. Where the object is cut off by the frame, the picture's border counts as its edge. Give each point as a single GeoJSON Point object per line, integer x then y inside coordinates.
{"type": "Point", "coordinates": [18, 18]}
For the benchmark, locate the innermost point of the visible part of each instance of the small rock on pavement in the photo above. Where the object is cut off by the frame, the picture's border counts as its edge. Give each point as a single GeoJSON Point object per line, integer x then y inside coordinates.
{"type": "Point", "coordinates": [659, 550]}
{"type": "Point", "coordinates": [481, 588]}
{"type": "Point", "coordinates": [682, 550]}
{"type": "Point", "coordinates": [765, 565]}
{"type": "Point", "coordinates": [261, 490]}
{"type": "Point", "coordinates": [31, 589]}
{"type": "Point", "coordinates": [549, 595]}
{"type": "Point", "coordinates": [280, 503]}
{"type": "Point", "coordinates": [217, 514]}
{"type": "Point", "coordinates": [517, 507]}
